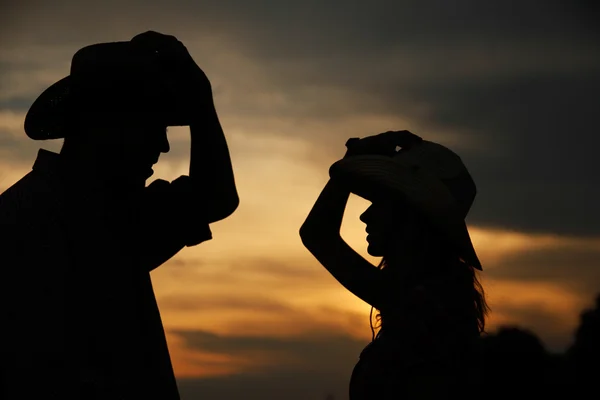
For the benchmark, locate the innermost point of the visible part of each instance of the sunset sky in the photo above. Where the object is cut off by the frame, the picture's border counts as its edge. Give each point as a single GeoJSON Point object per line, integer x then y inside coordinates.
{"type": "Point", "coordinates": [513, 87]}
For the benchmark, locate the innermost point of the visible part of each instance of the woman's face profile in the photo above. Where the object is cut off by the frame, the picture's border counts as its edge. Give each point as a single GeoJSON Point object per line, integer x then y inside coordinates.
{"type": "Point", "coordinates": [384, 225]}
{"type": "Point", "coordinates": [392, 224]}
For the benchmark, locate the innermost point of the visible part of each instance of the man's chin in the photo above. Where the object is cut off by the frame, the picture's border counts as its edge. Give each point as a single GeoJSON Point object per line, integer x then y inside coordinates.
{"type": "Point", "coordinates": [140, 177]}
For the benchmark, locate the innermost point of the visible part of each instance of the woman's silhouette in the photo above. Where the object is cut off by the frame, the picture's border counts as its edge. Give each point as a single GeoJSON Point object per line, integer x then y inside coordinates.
{"type": "Point", "coordinates": [431, 306]}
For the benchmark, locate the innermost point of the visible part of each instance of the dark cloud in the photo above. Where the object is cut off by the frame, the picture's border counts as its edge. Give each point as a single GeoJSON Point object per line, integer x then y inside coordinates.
{"type": "Point", "coordinates": [549, 327]}
{"type": "Point", "coordinates": [182, 302]}
{"type": "Point", "coordinates": [334, 22]}
{"type": "Point", "coordinates": [310, 365]}
{"type": "Point", "coordinates": [255, 270]}
{"type": "Point", "coordinates": [277, 269]}
{"type": "Point", "coordinates": [575, 268]}
{"type": "Point", "coordinates": [307, 350]}
{"type": "Point", "coordinates": [283, 384]}
{"type": "Point", "coordinates": [17, 104]}
{"type": "Point", "coordinates": [298, 367]}
{"type": "Point", "coordinates": [543, 177]}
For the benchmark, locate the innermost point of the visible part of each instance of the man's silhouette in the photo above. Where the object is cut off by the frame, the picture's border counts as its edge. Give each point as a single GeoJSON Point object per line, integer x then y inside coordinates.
{"type": "Point", "coordinates": [81, 232]}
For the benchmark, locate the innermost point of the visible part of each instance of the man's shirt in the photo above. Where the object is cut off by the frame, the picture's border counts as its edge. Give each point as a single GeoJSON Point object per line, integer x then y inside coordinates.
{"type": "Point", "coordinates": [79, 315]}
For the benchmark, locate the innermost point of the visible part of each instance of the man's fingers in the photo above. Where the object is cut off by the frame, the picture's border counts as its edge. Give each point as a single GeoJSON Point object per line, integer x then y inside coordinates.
{"type": "Point", "coordinates": [156, 38]}
{"type": "Point", "coordinates": [162, 45]}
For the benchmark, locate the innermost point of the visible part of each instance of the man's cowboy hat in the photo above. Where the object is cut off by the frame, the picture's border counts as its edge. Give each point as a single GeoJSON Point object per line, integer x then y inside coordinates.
{"type": "Point", "coordinates": [121, 79]}
{"type": "Point", "coordinates": [428, 176]}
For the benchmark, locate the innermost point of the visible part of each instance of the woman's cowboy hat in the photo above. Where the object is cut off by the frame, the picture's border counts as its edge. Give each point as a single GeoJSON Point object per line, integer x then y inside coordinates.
{"type": "Point", "coordinates": [122, 79]}
{"type": "Point", "coordinates": [428, 176]}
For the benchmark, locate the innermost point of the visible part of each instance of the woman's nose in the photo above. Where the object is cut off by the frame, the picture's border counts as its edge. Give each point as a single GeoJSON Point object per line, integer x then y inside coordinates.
{"type": "Point", "coordinates": [364, 217]}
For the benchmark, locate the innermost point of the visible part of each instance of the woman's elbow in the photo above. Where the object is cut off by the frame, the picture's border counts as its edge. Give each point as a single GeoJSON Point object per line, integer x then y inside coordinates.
{"type": "Point", "coordinates": [307, 235]}
{"type": "Point", "coordinates": [316, 238]}
{"type": "Point", "coordinates": [307, 231]}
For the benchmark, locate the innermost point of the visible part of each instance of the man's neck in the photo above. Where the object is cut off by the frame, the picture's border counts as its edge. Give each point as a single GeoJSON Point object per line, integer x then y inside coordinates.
{"type": "Point", "coordinates": [92, 176]}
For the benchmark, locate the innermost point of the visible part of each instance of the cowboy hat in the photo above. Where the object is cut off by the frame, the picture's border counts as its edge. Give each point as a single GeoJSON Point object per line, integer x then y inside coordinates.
{"type": "Point", "coordinates": [428, 176]}
{"type": "Point", "coordinates": [121, 79]}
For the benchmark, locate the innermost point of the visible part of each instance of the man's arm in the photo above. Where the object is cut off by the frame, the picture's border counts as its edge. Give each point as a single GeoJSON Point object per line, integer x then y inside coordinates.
{"type": "Point", "coordinates": [210, 166]}
{"type": "Point", "coordinates": [172, 218]}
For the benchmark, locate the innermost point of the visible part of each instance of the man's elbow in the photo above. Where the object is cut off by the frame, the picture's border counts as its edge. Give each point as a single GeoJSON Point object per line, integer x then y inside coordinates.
{"type": "Point", "coordinates": [223, 209]}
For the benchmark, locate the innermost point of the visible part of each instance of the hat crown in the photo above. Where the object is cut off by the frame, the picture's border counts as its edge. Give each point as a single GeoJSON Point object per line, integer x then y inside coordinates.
{"type": "Point", "coordinates": [106, 68]}
{"type": "Point", "coordinates": [445, 165]}
{"type": "Point", "coordinates": [118, 79]}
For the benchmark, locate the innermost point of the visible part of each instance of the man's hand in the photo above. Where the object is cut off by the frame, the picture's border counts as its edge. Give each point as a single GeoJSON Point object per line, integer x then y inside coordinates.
{"type": "Point", "coordinates": [211, 173]}
{"type": "Point", "coordinates": [179, 71]}
{"type": "Point", "coordinates": [382, 144]}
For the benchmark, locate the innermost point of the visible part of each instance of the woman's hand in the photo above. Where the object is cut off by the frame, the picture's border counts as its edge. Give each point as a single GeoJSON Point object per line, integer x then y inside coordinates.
{"type": "Point", "coordinates": [384, 144]}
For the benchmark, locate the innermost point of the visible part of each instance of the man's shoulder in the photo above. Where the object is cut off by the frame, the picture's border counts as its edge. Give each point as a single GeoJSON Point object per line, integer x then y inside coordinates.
{"type": "Point", "coordinates": [18, 189]}
{"type": "Point", "coordinates": [24, 195]}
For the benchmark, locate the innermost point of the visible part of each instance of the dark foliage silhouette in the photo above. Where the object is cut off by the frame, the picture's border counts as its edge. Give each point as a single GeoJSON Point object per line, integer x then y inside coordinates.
{"type": "Point", "coordinates": [516, 364]}
{"type": "Point", "coordinates": [81, 232]}
{"type": "Point", "coordinates": [584, 355]}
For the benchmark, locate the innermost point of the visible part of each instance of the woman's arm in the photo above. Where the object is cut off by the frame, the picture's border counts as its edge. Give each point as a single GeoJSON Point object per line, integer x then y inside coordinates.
{"type": "Point", "coordinates": [320, 234]}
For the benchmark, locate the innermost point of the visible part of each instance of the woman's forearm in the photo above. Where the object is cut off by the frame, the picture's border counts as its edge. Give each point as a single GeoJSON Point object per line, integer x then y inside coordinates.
{"type": "Point", "coordinates": [210, 166]}
{"type": "Point", "coordinates": [327, 214]}
{"type": "Point", "coordinates": [320, 234]}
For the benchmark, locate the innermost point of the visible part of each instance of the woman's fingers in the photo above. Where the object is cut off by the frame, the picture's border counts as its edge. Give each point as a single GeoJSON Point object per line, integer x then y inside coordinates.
{"type": "Point", "coordinates": [401, 138]}
{"type": "Point", "coordinates": [384, 143]}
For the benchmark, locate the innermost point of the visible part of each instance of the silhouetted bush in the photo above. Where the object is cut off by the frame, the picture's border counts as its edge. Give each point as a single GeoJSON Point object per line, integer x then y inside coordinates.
{"type": "Point", "coordinates": [515, 363]}
{"type": "Point", "coordinates": [584, 354]}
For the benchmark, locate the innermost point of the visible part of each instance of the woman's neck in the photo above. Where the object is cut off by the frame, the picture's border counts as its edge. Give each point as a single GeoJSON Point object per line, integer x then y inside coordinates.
{"type": "Point", "coordinates": [408, 259]}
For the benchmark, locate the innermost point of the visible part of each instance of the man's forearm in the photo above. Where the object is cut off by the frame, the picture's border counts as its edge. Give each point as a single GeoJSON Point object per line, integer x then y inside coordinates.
{"type": "Point", "coordinates": [210, 166]}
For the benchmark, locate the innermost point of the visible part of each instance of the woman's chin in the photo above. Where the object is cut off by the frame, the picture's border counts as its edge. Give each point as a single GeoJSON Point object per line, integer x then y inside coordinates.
{"type": "Point", "coordinates": [374, 250]}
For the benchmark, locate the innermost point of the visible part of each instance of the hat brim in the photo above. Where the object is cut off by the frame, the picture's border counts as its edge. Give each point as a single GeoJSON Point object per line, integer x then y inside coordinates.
{"type": "Point", "coordinates": [376, 177]}
{"type": "Point", "coordinates": [48, 116]}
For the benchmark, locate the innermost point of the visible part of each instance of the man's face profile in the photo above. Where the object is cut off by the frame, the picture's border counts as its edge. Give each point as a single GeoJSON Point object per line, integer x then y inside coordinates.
{"type": "Point", "coordinates": [125, 148]}
{"type": "Point", "coordinates": [137, 147]}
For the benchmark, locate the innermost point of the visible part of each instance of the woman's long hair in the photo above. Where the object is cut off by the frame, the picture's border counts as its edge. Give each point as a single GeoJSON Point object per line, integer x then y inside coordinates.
{"type": "Point", "coordinates": [453, 283]}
